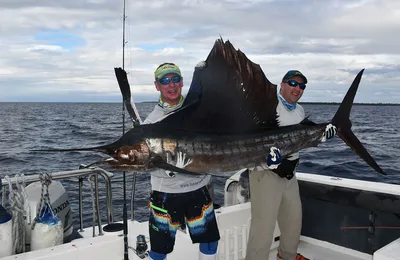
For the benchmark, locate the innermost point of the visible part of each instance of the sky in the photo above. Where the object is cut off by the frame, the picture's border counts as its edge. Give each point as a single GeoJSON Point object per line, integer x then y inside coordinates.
{"type": "Point", "coordinates": [66, 51]}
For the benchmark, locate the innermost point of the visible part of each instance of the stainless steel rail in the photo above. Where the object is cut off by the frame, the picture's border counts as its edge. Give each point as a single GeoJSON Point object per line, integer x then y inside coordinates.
{"type": "Point", "coordinates": [80, 174]}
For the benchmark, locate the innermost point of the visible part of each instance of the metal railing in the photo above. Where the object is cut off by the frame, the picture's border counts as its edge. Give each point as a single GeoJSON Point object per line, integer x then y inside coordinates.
{"type": "Point", "coordinates": [80, 174]}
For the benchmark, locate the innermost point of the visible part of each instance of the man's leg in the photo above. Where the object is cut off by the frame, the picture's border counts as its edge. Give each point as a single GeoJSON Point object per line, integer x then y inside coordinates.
{"type": "Point", "coordinates": [202, 223]}
{"type": "Point", "coordinates": [266, 190]}
{"type": "Point", "coordinates": [165, 219]}
{"type": "Point", "coordinates": [289, 220]}
{"type": "Point", "coordinates": [156, 256]}
{"type": "Point", "coordinates": [208, 251]}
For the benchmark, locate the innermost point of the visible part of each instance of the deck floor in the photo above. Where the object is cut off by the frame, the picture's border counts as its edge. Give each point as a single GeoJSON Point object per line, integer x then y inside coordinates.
{"type": "Point", "coordinates": [310, 248]}
{"type": "Point", "coordinates": [310, 251]}
{"type": "Point", "coordinates": [315, 252]}
{"type": "Point", "coordinates": [110, 247]}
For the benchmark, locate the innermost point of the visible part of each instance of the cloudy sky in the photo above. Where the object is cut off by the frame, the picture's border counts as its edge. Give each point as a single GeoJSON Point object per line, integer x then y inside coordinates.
{"type": "Point", "coordinates": [55, 51]}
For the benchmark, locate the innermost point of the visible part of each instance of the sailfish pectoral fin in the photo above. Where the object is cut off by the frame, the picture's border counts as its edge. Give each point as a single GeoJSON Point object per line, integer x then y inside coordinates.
{"type": "Point", "coordinates": [159, 162]}
{"type": "Point", "coordinates": [127, 97]}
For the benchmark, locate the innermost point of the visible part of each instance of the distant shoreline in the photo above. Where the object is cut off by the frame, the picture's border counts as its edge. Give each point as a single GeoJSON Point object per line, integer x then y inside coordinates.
{"type": "Point", "coordinates": [354, 104]}
{"type": "Point", "coordinates": [153, 102]}
{"type": "Point", "coordinates": [320, 103]}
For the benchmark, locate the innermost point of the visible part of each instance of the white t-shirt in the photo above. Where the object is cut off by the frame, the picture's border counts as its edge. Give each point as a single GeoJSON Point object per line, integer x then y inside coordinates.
{"type": "Point", "coordinates": [180, 183]}
{"type": "Point", "coordinates": [290, 117]}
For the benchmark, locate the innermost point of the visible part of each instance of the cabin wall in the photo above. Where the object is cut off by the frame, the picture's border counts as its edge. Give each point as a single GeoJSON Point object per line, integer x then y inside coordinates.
{"type": "Point", "coordinates": [361, 220]}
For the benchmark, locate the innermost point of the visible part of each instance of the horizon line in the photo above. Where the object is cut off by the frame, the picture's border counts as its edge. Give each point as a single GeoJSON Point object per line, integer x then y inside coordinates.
{"type": "Point", "coordinates": [114, 102]}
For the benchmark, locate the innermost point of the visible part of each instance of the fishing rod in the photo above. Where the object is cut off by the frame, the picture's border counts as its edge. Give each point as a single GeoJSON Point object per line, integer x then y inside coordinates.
{"type": "Point", "coordinates": [124, 210]}
{"type": "Point", "coordinates": [127, 101]}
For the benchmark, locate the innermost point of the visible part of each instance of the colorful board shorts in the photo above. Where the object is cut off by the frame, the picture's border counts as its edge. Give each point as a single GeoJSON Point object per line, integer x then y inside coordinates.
{"type": "Point", "coordinates": [169, 211]}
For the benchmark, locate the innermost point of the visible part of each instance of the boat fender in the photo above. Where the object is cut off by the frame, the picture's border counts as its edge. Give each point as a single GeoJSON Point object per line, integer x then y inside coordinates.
{"type": "Point", "coordinates": [5, 233]}
{"type": "Point", "coordinates": [59, 202]}
{"type": "Point", "coordinates": [48, 231]}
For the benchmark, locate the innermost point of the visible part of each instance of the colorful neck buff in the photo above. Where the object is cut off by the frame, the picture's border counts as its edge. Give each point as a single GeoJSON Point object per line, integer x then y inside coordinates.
{"type": "Point", "coordinates": [289, 106]}
{"type": "Point", "coordinates": [164, 104]}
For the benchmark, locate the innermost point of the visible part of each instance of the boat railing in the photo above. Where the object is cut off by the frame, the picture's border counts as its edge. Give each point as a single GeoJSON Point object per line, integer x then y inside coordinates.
{"type": "Point", "coordinates": [93, 173]}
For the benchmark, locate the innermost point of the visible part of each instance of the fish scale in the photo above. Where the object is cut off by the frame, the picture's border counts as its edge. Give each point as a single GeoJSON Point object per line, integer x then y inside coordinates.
{"type": "Point", "coordinates": [223, 153]}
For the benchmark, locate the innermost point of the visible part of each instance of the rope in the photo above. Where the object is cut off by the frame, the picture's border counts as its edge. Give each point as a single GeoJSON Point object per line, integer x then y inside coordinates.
{"type": "Point", "coordinates": [17, 200]}
{"type": "Point", "coordinates": [45, 179]}
{"type": "Point", "coordinates": [21, 185]}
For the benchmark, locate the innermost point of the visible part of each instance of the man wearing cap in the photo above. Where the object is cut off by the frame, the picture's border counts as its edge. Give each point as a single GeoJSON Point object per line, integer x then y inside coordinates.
{"type": "Point", "coordinates": [178, 200]}
{"type": "Point", "coordinates": [274, 189]}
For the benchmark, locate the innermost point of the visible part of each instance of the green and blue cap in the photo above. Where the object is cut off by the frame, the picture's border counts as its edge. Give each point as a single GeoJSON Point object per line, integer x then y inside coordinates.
{"type": "Point", "coordinates": [292, 73]}
{"type": "Point", "coordinates": [165, 69]}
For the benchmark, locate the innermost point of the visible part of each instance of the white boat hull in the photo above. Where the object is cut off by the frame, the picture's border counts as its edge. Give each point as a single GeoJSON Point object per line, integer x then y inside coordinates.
{"type": "Point", "coordinates": [233, 223]}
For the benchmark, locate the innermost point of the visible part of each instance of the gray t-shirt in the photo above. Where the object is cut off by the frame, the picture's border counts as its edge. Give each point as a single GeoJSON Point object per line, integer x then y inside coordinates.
{"type": "Point", "coordinates": [180, 183]}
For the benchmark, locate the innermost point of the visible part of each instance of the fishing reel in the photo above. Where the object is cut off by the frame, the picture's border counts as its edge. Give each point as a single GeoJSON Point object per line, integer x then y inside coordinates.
{"type": "Point", "coordinates": [141, 247]}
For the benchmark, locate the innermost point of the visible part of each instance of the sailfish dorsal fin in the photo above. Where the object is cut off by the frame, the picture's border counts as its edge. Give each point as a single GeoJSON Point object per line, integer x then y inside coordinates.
{"type": "Point", "coordinates": [230, 94]}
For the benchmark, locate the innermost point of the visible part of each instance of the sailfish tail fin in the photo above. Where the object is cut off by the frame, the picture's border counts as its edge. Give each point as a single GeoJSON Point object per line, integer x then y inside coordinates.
{"type": "Point", "coordinates": [343, 124]}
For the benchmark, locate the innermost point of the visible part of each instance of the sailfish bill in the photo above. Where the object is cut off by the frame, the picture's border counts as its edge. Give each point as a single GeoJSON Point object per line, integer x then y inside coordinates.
{"type": "Point", "coordinates": [227, 122]}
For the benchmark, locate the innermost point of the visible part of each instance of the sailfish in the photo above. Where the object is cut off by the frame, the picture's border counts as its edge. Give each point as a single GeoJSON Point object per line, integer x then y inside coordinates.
{"type": "Point", "coordinates": [227, 122]}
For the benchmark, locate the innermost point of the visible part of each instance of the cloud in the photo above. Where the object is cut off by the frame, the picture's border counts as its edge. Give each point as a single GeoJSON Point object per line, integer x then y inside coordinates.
{"type": "Point", "coordinates": [66, 50]}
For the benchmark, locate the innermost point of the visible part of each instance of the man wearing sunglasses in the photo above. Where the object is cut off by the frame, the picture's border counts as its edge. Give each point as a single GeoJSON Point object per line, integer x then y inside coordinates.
{"type": "Point", "coordinates": [178, 200]}
{"type": "Point", "coordinates": [274, 189]}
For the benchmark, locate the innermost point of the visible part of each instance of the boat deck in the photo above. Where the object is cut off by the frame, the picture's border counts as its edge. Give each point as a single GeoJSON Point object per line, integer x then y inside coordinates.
{"type": "Point", "coordinates": [110, 247]}
{"type": "Point", "coordinates": [232, 246]}
{"type": "Point", "coordinates": [325, 251]}
{"type": "Point", "coordinates": [233, 223]}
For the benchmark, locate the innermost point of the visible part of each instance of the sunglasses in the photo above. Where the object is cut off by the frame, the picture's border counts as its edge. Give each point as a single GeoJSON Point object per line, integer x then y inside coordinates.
{"type": "Point", "coordinates": [294, 84]}
{"type": "Point", "coordinates": [166, 80]}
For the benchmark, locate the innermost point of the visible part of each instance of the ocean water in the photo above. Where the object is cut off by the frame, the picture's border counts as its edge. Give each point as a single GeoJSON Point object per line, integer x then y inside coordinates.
{"type": "Point", "coordinates": [28, 126]}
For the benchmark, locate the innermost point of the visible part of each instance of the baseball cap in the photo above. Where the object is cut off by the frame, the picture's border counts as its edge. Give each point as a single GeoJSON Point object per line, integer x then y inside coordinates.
{"type": "Point", "coordinates": [165, 69]}
{"type": "Point", "coordinates": [291, 73]}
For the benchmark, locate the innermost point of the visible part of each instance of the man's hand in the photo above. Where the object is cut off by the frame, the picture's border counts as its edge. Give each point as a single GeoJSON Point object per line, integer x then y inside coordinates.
{"type": "Point", "coordinates": [181, 162]}
{"type": "Point", "coordinates": [330, 131]}
{"type": "Point", "coordinates": [274, 158]}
